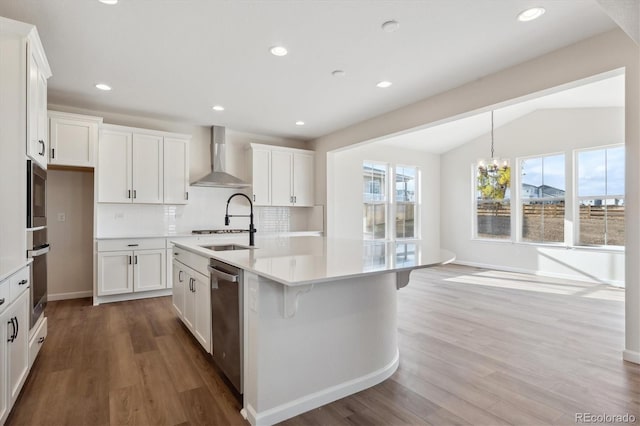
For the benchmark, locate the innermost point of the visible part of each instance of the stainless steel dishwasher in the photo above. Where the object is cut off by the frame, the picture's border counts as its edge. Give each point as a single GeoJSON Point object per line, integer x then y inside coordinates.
{"type": "Point", "coordinates": [227, 320]}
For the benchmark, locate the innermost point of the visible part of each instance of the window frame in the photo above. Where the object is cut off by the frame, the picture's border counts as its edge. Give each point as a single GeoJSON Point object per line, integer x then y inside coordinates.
{"type": "Point", "coordinates": [474, 209]}
{"type": "Point", "coordinates": [519, 200]}
{"type": "Point", "coordinates": [577, 198]}
{"type": "Point", "coordinates": [385, 202]}
{"type": "Point", "coordinates": [416, 204]}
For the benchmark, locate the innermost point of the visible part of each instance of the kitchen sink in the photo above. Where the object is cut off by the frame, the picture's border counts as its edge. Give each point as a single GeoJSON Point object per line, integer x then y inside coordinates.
{"type": "Point", "coordinates": [226, 247]}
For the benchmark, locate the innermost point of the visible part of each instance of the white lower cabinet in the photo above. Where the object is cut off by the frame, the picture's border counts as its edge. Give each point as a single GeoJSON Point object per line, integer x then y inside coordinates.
{"type": "Point", "coordinates": [122, 271]}
{"type": "Point", "coordinates": [192, 295]}
{"type": "Point", "coordinates": [14, 339]}
{"type": "Point", "coordinates": [37, 340]}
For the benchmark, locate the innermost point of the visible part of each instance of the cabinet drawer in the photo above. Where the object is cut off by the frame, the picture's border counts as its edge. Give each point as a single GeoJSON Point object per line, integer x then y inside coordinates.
{"type": "Point", "coordinates": [20, 281]}
{"type": "Point", "coordinates": [194, 261]}
{"type": "Point", "coordinates": [131, 244]}
{"type": "Point", "coordinates": [5, 294]}
{"type": "Point", "coordinates": [37, 340]}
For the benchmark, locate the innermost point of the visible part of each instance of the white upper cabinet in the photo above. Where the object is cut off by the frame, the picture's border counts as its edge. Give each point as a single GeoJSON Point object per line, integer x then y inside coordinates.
{"type": "Point", "coordinates": [73, 139]}
{"type": "Point", "coordinates": [282, 176]}
{"type": "Point", "coordinates": [176, 171]}
{"type": "Point", "coordinates": [303, 179]}
{"type": "Point", "coordinates": [148, 163]}
{"type": "Point", "coordinates": [37, 123]}
{"type": "Point", "coordinates": [115, 167]}
{"type": "Point", "coordinates": [261, 175]}
{"type": "Point", "coordinates": [142, 166]}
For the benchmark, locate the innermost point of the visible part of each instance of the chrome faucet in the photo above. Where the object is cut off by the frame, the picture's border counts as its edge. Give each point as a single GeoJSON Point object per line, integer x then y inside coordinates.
{"type": "Point", "coordinates": [252, 229]}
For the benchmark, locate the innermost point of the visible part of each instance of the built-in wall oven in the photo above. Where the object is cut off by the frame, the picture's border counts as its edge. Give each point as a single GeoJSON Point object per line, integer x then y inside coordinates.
{"type": "Point", "coordinates": [37, 241]}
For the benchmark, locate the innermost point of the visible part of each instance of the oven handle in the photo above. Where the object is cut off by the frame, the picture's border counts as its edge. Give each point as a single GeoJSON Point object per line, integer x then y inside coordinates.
{"type": "Point", "coordinates": [218, 273]}
{"type": "Point", "coordinates": [44, 249]}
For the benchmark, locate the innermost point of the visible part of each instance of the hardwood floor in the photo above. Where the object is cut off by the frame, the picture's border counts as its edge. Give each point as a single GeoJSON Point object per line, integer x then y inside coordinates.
{"type": "Point", "coordinates": [476, 347]}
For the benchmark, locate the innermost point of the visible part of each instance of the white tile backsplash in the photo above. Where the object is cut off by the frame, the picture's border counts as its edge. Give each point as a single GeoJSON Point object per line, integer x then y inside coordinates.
{"type": "Point", "coordinates": [206, 210]}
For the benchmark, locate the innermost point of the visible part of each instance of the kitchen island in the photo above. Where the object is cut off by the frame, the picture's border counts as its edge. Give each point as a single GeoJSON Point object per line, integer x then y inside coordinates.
{"type": "Point", "coordinates": [319, 317]}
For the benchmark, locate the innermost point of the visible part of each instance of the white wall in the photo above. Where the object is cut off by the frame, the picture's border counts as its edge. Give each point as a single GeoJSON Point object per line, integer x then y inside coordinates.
{"type": "Point", "coordinates": [344, 206]}
{"type": "Point", "coordinates": [541, 132]}
{"type": "Point", "coordinates": [70, 261]}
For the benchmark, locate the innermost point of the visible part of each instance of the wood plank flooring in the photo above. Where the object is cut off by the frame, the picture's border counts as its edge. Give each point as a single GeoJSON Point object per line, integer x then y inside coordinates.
{"type": "Point", "coordinates": [477, 347]}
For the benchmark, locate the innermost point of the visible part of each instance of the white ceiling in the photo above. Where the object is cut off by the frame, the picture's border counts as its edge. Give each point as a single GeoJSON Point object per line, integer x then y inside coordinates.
{"type": "Point", "coordinates": [608, 92]}
{"type": "Point", "coordinates": [175, 59]}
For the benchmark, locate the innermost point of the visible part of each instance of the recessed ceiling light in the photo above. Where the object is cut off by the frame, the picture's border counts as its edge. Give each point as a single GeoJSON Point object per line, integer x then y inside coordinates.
{"type": "Point", "coordinates": [278, 51]}
{"type": "Point", "coordinates": [299, 123]}
{"type": "Point", "coordinates": [390, 26]}
{"type": "Point", "coordinates": [531, 14]}
{"type": "Point", "coordinates": [103, 86]}
{"type": "Point", "coordinates": [384, 84]}
{"type": "Point", "coordinates": [109, 2]}
{"type": "Point", "coordinates": [218, 108]}
{"type": "Point", "coordinates": [338, 73]}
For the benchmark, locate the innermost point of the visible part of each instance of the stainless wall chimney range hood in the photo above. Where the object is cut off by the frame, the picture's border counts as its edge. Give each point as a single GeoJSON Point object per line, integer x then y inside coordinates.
{"type": "Point", "coordinates": [219, 178]}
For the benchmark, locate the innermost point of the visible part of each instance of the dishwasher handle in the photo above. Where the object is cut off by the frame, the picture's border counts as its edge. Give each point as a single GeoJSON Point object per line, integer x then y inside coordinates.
{"type": "Point", "coordinates": [220, 274]}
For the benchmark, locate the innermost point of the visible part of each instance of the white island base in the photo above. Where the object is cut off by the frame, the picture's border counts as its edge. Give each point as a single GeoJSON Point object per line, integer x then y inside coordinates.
{"type": "Point", "coordinates": [309, 345]}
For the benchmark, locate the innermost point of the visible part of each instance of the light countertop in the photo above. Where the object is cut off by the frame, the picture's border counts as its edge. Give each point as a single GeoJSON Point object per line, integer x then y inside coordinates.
{"type": "Point", "coordinates": [301, 260]}
{"type": "Point", "coordinates": [182, 235]}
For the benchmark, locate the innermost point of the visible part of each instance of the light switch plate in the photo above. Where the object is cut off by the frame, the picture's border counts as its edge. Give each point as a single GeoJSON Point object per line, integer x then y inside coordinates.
{"type": "Point", "coordinates": [62, 217]}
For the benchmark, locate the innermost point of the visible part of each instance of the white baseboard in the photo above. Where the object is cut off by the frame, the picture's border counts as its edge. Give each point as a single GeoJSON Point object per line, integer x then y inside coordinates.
{"type": "Point", "coordinates": [631, 356]}
{"type": "Point", "coordinates": [323, 397]}
{"type": "Point", "coordinates": [52, 297]}
{"type": "Point", "coordinates": [615, 283]}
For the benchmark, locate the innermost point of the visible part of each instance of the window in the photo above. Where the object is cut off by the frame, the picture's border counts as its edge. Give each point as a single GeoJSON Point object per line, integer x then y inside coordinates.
{"type": "Point", "coordinates": [375, 200]}
{"type": "Point", "coordinates": [493, 201]}
{"type": "Point", "coordinates": [542, 198]}
{"type": "Point", "coordinates": [600, 178]}
{"type": "Point", "coordinates": [406, 179]}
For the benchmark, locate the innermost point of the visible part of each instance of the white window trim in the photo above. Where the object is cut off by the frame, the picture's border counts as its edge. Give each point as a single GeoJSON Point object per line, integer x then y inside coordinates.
{"type": "Point", "coordinates": [575, 243]}
{"type": "Point", "coordinates": [518, 222]}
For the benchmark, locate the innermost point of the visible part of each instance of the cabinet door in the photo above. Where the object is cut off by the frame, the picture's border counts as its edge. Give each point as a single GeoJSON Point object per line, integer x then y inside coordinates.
{"type": "Point", "coordinates": [179, 288]}
{"type": "Point", "coordinates": [42, 121]}
{"type": "Point", "coordinates": [303, 179]}
{"type": "Point", "coordinates": [114, 167]}
{"type": "Point", "coordinates": [36, 96]}
{"type": "Point", "coordinates": [176, 171]}
{"type": "Point", "coordinates": [115, 272]}
{"type": "Point", "coordinates": [147, 169]}
{"type": "Point", "coordinates": [202, 324]}
{"type": "Point", "coordinates": [189, 317]}
{"type": "Point", "coordinates": [72, 142]}
{"type": "Point", "coordinates": [261, 177]}
{"type": "Point", "coordinates": [5, 333]}
{"type": "Point", "coordinates": [281, 178]}
{"type": "Point", "coordinates": [149, 270]}
{"type": "Point", "coordinates": [18, 347]}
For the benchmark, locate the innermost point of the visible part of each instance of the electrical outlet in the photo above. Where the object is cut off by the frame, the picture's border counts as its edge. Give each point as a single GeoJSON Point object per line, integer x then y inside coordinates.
{"type": "Point", "coordinates": [119, 215]}
{"type": "Point", "coordinates": [62, 217]}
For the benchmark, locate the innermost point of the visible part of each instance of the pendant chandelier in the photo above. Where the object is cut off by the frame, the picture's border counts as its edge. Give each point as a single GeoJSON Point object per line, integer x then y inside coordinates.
{"type": "Point", "coordinates": [493, 174]}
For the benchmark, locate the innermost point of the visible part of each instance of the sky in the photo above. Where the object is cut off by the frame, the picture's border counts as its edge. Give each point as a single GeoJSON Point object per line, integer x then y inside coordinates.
{"type": "Point", "coordinates": [600, 172]}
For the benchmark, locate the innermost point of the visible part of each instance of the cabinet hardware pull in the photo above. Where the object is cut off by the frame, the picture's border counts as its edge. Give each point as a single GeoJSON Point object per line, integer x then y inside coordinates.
{"type": "Point", "coordinates": [2, 301]}
{"type": "Point", "coordinates": [180, 276]}
{"type": "Point", "coordinates": [41, 340]}
{"type": "Point", "coordinates": [129, 194]}
{"type": "Point", "coordinates": [186, 196]}
{"type": "Point", "coordinates": [23, 282]}
{"type": "Point", "coordinates": [17, 327]}
{"type": "Point", "coordinates": [53, 153]}
{"type": "Point", "coordinates": [254, 198]}
{"type": "Point", "coordinates": [13, 331]}
{"type": "Point", "coordinates": [135, 260]}
{"type": "Point", "coordinates": [129, 260]}
{"type": "Point", "coordinates": [134, 193]}
{"type": "Point", "coordinates": [132, 245]}
{"type": "Point", "coordinates": [41, 143]}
